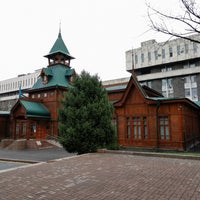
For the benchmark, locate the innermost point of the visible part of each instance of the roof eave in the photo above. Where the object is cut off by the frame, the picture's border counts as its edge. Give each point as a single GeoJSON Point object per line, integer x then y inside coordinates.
{"type": "Point", "coordinates": [51, 55]}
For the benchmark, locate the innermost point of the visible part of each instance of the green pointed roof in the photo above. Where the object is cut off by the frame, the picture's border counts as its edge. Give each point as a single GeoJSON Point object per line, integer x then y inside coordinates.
{"type": "Point", "coordinates": [59, 47]}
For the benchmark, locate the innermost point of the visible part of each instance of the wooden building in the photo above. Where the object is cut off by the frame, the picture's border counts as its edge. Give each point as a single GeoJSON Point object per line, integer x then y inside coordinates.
{"type": "Point", "coordinates": [4, 124]}
{"type": "Point", "coordinates": [36, 116]}
{"type": "Point", "coordinates": [144, 118]}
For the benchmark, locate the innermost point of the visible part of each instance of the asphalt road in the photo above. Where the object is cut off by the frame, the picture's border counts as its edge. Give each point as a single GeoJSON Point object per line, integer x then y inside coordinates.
{"type": "Point", "coordinates": [8, 165]}
{"type": "Point", "coordinates": [34, 155]}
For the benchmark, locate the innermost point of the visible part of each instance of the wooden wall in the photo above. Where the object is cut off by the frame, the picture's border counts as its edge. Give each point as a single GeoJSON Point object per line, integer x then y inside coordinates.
{"type": "Point", "coordinates": [4, 126]}
{"type": "Point", "coordinates": [181, 116]}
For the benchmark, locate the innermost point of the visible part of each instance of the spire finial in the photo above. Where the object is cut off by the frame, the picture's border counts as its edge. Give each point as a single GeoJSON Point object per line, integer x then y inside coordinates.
{"type": "Point", "coordinates": [60, 28]}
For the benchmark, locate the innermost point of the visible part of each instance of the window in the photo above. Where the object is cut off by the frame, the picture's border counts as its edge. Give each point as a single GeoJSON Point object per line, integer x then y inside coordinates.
{"type": "Point", "coordinates": [17, 129]}
{"type": "Point", "coordinates": [195, 47]}
{"type": "Point", "coordinates": [194, 94]}
{"type": "Point", "coordinates": [34, 129]}
{"type": "Point", "coordinates": [170, 52]}
{"type": "Point", "coordinates": [142, 57]}
{"type": "Point", "coordinates": [44, 79]}
{"type": "Point", "coordinates": [190, 79]}
{"type": "Point", "coordinates": [178, 50]}
{"type": "Point", "coordinates": [164, 128]}
{"type": "Point", "coordinates": [149, 56]}
{"type": "Point", "coordinates": [186, 48]}
{"type": "Point", "coordinates": [24, 130]}
{"type": "Point", "coordinates": [163, 53]}
{"type": "Point", "coordinates": [136, 128]}
{"type": "Point", "coordinates": [38, 95]}
{"type": "Point", "coordinates": [166, 69]}
{"type": "Point", "coordinates": [187, 92]}
{"type": "Point", "coordinates": [167, 88]}
{"type": "Point", "coordinates": [45, 94]}
{"type": "Point", "coordinates": [128, 128]}
{"type": "Point", "coordinates": [192, 65]}
{"type": "Point", "coordinates": [193, 79]}
{"type": "Point", "coordinates": [191, 88]}
{"type": "Point", "coordinates": [145, 128]}
{"type": "Point", "coordinates": [156, 55]}
{"type": "Point", "coordinates": [186, 66]}
{"type": "Point", "coordinates": [136, 59]}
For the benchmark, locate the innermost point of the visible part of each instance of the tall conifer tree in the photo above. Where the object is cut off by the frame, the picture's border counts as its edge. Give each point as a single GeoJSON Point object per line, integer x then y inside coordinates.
{"type": "Point", "coordinates": [86, 115]}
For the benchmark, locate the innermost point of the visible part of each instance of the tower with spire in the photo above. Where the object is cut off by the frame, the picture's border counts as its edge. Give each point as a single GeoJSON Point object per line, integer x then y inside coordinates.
{"type": "Point", "coordinates": [37, 114]}
{"type": "Point", "coordinates": [59, 53]}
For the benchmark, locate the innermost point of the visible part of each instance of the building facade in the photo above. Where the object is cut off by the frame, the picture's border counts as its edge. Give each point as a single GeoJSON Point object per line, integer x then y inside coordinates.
{"type": "Point", "coordinates": [35, 116]}
{"type": "Point", "coordinates": [146, 119]}
{"type": "Point", "coordinates": [143, 116]}
{"type": "Point", "coordinates": [172, 67]}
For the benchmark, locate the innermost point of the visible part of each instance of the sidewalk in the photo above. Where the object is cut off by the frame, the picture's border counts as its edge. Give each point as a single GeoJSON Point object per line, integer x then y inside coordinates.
{"type": "Point", "coordinates": [104, 176]}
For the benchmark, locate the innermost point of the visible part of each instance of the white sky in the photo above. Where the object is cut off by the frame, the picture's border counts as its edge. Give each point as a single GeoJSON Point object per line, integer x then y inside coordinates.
{"type": "Point", "coordinates": [96, 32]}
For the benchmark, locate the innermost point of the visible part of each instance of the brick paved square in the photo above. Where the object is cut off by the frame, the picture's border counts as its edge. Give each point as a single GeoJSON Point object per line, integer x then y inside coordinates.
{"type": "Point", "coordinates": [104, 176]}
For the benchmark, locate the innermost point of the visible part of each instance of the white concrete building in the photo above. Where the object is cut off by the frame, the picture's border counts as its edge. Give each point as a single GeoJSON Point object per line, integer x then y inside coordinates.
{"type": "Point", "coordinates": [10, 88]}
{"type": "Point", "coordinates": [172, 67]}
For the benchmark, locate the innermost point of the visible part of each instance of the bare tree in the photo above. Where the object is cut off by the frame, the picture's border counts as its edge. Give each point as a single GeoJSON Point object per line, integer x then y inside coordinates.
{"type": "Point", "coordinates": [188, 19]}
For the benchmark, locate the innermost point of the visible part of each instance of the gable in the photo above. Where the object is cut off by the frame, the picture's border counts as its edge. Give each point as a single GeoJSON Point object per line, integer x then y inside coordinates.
{"type": "Point", "coordinates": [35, 109]}
{"type": "Point", "coordinates": [134, 96]}
{"type": "Point", "coordinates": [25, 109]}
{"type": "Point", "coordinates": [134, 93]}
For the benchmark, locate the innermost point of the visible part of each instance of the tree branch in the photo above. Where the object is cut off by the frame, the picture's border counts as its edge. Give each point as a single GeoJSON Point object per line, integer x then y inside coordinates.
{"type": "Point", "coordinates": [190, 19]}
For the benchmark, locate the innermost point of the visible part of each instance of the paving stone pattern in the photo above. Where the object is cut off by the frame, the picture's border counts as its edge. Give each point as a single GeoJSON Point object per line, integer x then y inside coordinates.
{"type": "Point", "coordinates": [104, 177]}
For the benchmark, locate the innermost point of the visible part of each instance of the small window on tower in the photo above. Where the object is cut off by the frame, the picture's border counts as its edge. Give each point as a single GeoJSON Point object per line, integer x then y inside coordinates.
{"type": "Point", "coordinates": [45, 79]}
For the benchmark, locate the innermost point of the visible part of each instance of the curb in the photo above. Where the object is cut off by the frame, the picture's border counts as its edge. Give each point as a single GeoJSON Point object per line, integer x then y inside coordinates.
{"type": "Point", "coordinates": [19, 161]}
{"type": "Point", "coordinates": [150, 154]}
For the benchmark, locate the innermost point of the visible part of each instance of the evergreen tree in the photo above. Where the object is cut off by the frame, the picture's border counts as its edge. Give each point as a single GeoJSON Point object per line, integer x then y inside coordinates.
{"type": "Point", "coordinates": [85, 117]}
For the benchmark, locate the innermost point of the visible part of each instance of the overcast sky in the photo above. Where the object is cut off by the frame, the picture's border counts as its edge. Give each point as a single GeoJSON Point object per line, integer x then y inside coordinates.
{"type": "Point", "coordinates": [96, 32]}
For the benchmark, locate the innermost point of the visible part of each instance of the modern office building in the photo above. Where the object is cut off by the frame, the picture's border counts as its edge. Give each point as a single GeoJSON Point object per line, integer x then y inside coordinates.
{"type": "Point", "coordinates": [171, 68]}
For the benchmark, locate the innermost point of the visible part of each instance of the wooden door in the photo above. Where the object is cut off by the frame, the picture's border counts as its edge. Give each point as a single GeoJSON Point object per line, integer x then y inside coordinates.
{"type": "Point", "coordinates": [21, 129]}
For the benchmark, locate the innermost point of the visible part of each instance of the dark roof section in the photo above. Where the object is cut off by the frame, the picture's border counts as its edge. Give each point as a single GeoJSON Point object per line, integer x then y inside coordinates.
{"type": "Point", "coordinates": [175, 99]}
{"type": "Point", "coordinates": [59, 47]}
{"type": "Point", "coordinates": [58, 76]}
{"type": "Point", "coordinates": [35, 109]}
{"type": "Point", "coordinates": [151, 92]}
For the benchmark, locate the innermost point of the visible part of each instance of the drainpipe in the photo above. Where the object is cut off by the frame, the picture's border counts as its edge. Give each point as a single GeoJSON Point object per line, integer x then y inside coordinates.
{"type": "Point", "coordinates": [157, 128]}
